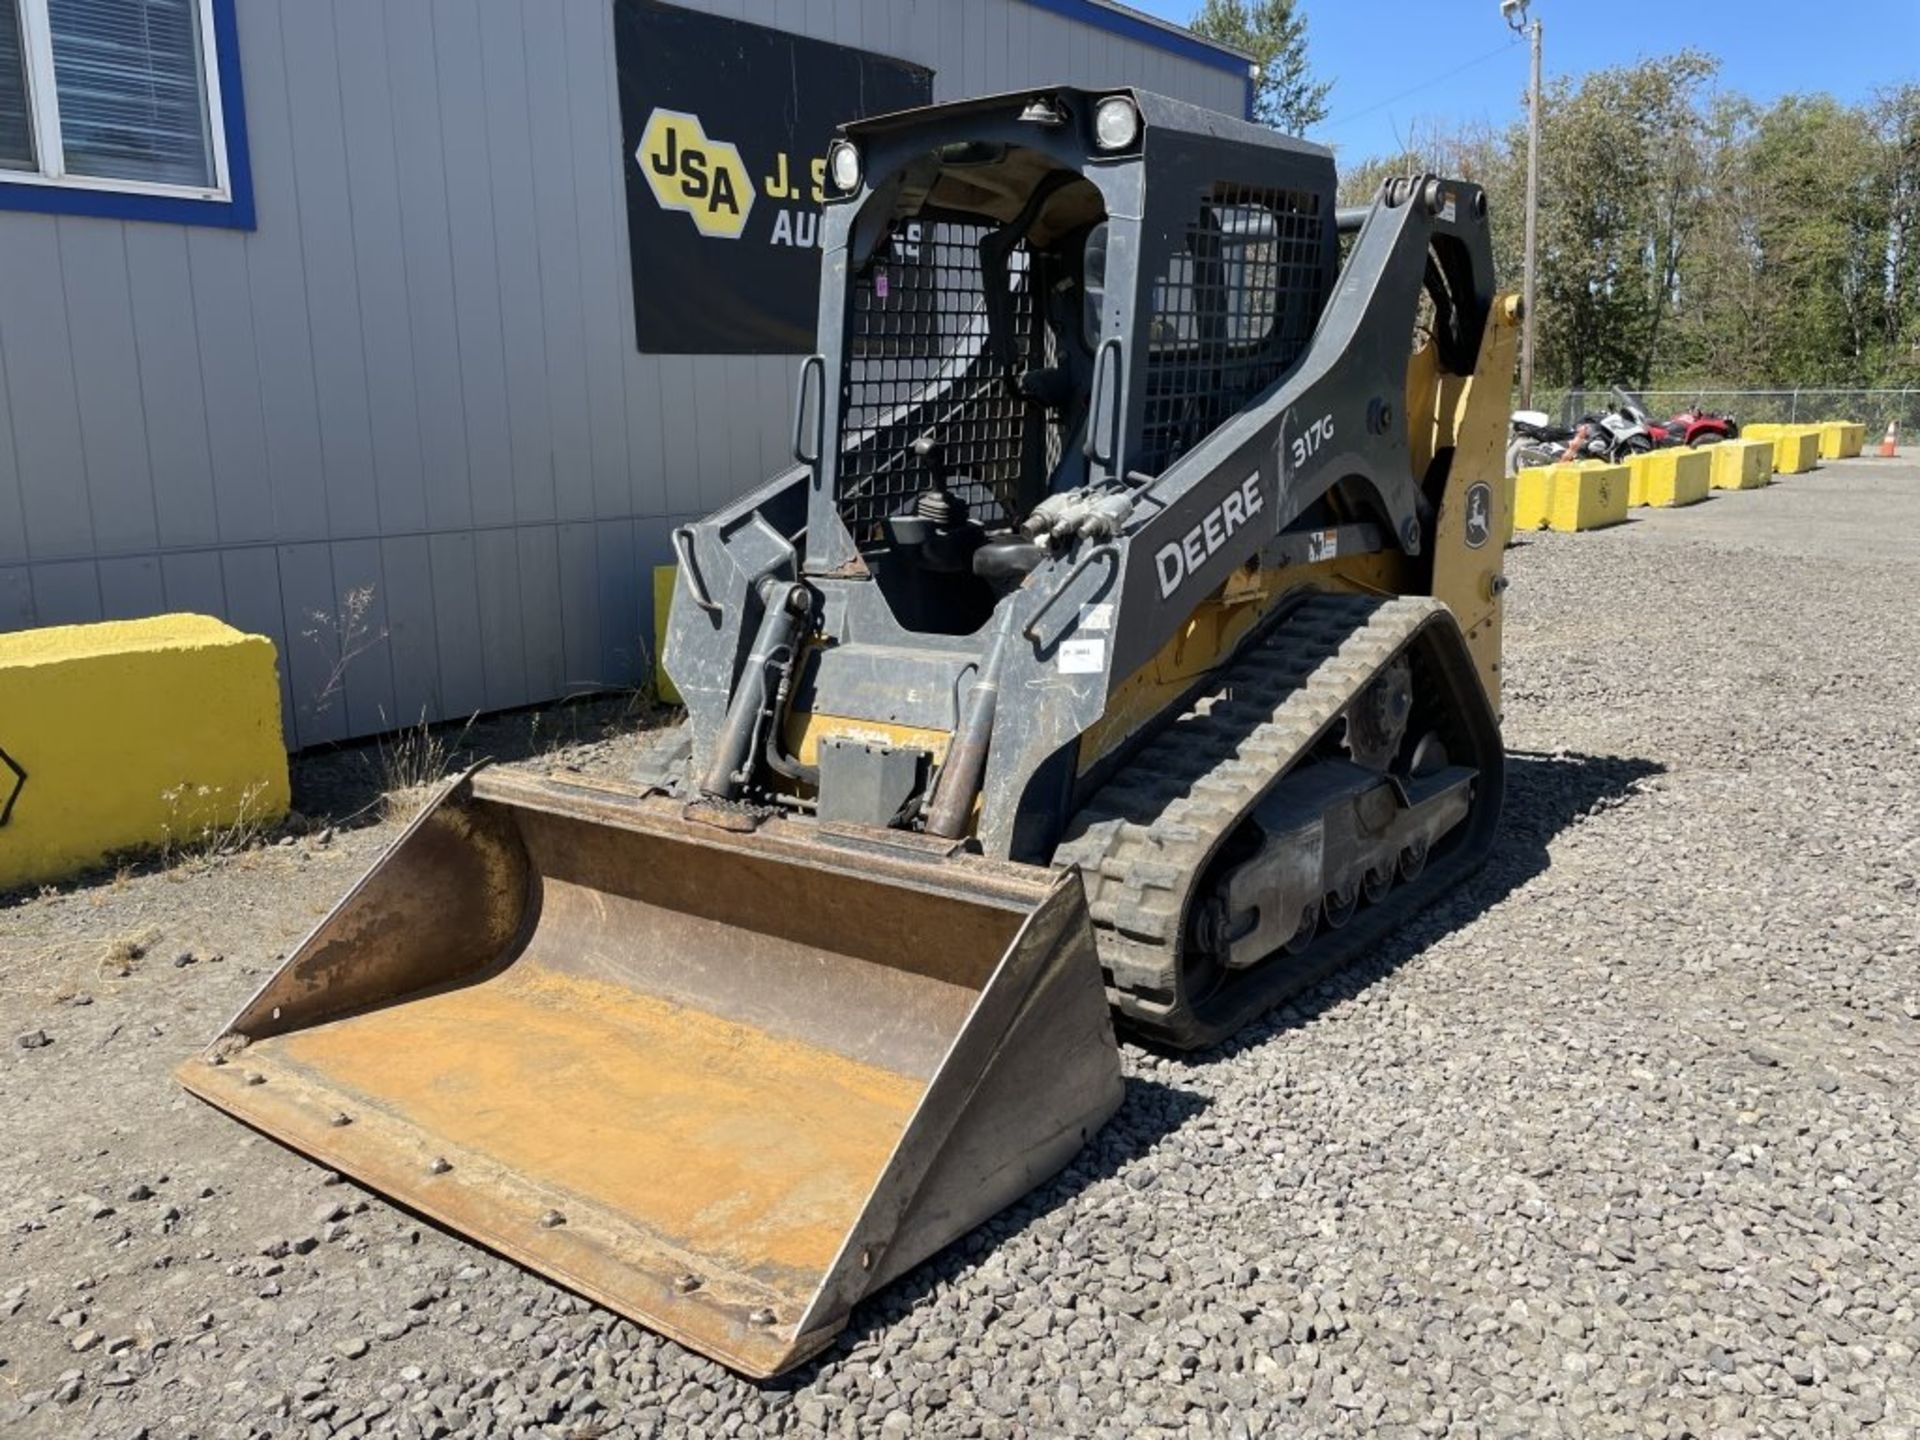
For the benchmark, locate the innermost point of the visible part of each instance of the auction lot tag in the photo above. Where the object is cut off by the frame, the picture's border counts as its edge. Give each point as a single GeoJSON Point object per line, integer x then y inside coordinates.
{"type": "Point", "coordinates": [1083, 657]}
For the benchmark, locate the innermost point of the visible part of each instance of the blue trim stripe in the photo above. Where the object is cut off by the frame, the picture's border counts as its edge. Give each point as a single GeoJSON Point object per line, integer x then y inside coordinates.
{"type": "Point", "coordinates": [233, 214]}
{"type": "Point", "coordinates": [233, 104]}
{"type": "Point", "coordinates": [1119, 22]}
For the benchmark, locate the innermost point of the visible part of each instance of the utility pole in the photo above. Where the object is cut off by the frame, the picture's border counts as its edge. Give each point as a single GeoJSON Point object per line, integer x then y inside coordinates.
{"type": "Point", "coordinates": [1515, 12]}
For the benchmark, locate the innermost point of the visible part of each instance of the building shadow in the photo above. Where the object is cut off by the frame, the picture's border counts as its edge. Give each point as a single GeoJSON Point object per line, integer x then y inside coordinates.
{"type": "Point", "coordinates": [346, 785]}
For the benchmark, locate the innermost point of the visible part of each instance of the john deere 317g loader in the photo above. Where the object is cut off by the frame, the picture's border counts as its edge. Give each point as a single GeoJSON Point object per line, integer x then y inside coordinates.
{"type": "Point", "coordinates": [1124, 638]}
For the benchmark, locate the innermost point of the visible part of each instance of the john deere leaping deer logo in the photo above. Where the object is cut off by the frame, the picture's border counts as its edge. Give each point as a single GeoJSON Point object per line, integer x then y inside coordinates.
{"type": "Point", "coordinates": [1479, 514]}
{"type": "Point", "coordinates": [688, 171]}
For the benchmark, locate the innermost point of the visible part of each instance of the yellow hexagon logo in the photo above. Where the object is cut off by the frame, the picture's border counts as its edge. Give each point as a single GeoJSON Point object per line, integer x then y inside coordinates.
{"type": "Point", "coordinates": [687, 171]}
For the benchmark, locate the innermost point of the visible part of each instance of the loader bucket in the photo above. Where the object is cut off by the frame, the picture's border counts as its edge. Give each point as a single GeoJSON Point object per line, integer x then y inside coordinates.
{"type": "Point", "coordinates": [724, 1084]}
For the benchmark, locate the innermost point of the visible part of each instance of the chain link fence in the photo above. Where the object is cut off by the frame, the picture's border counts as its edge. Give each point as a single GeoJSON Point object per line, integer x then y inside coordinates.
{"type": "Point", "coordinates": [1873, 408]}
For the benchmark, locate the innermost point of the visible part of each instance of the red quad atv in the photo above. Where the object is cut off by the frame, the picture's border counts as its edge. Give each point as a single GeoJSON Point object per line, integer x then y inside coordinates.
{"type": "Point", "coordinates": [1692, 426]}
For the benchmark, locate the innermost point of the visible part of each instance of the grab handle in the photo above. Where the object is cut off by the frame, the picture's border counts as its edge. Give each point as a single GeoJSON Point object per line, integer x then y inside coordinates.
{"type": "Point", "coordinates": [813, 386]}
{"type": "Point", "coordinates": [690, 569]}
{"type": "Point", "coordinates": [1031, 630]}
{"type": "Point", "coordinates": [1103, 419]}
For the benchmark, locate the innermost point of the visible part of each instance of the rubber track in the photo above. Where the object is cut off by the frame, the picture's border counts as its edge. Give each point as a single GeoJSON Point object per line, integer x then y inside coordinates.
{"type": "Point", "coordinates": [1143, 841]}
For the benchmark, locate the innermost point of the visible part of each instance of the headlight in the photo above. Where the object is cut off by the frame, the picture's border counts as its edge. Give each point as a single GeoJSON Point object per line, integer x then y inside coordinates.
{"type": "Point", "coordinates": [1116, 123]}
{"type": "Point", "coordinates": [843, 164]}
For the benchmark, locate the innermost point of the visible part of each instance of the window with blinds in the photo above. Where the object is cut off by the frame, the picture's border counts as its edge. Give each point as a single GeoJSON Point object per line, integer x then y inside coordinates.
{"type": "Point", "coordinates": [133, 102]}
{"type": "Point", "coordinates": [16, 120]}
{"type": "Point", "coordinates": [96, 91]}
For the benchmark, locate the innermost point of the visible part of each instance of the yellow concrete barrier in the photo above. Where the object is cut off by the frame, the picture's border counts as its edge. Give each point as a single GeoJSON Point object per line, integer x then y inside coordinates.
{"type": "Point", "coordinates": [1583, 496]}
{"type": "Point", "coordinates": [1639, 467]}
{"type": "Point", "coordinates": [1841, 439]}
{"type": "Point", "coordinates": [1798, 451]}
{"type": "Point", "coordinates": [663, 578]}
{"type": "Point", "coordinates": [1532, 497]}
{"type": "Point", "coordinates": [1673, 476]}
{"type": "Point", "coordinates": [1743, 464]}
{"type": "Point", "coordinates": [1796, 448]}
{"type": "Point", "coordinates": [134, 734]}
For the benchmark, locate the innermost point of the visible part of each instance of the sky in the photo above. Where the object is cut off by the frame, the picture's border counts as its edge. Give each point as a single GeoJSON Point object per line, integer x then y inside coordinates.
{"type": "Point", "coordinates": [1395, 63]}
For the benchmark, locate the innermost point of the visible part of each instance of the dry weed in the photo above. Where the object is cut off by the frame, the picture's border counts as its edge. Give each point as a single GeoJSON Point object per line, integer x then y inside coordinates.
{"type": "Point", "coordinates": [413, 763]}
{"type": "Point", "coordinates": [183, 841]}
{"type": "Point", "coordinates": [123, 956]}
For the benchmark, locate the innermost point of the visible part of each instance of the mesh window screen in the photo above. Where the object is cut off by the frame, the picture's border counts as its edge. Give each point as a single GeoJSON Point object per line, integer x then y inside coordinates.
{"type": "Point", "coordinates": [1231, 313]}
{"type": "Point", "coordinates": [918, 360]}
{"type": "Point", "coordinates": [16, 129]}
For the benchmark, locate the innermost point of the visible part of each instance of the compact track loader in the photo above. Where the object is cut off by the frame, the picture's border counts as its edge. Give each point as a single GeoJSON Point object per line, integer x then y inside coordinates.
{"type": "Point", "coordinates": [1124, 639]}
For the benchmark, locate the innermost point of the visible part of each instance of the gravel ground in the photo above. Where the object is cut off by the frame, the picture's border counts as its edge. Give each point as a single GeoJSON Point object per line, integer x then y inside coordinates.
{"type": "Point", "coordinates": [1621, 1141]}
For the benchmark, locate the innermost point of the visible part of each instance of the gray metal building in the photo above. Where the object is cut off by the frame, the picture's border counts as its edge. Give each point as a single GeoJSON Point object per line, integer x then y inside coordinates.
{"type": "Point", "coordinates": [356, 367]}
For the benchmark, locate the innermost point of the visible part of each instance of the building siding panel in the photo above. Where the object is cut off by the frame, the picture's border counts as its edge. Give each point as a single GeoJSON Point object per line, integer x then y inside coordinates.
{"type": "Point", "coordinates": [173, 396]}
{"type": "Point", "coordinates": [41, 392]}
{"type": "Point", "coordinates": [476, 274]}
{"type": "Point", "coordinates": [605, 334]}
{"type": "Point", "coordinates": [456, 619]}
{"type": "Point", "coordinates": [363, 620]}
{"type": "Point", "coordinates": [67, 592]}
{"type": "Point", "coordinates": [13, 515]}
{"type": "Point", "coordinates": [250, 576]}
{"type": "Point", "coordinates": [380, 266]}
{"type": "Point", "coordinates": [503, 635]}
{"type": "Point", "coordinates": [425, 240]}
{"type": "Point", "coordinates": [621, 585]}
{"type": "Point", "coordinates": [131, 587]}
{"type": "Point", "coordinates": [113, 437]}
{"type": "Point", "coordinates": [16, 598]}
{"type": "Point", "coordinates": [577, 579]}
{"type": "Point", "coordinates": [413, 640]}
{"type": "Point", "coordinates": [556, 217]}
{"type": "Point", "coordinates": [235, 415]}
{"type": "Point", "coordinates": [283, 351]}
{"type": "Point", "coordinates": [543, 635]}
{"type": "Point", "coordinates": [341, 379]}
{"type": "Point", "coordinates": [192, 582]}
{"type": "Point", "coordinates": [315, 653]}
{"type": "Point", "coordinates": [509, 155]}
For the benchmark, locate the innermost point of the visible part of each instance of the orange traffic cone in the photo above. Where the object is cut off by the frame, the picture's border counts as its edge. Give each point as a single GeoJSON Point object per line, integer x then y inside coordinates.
{"type": "Point", "coordinates": [1890, 442]}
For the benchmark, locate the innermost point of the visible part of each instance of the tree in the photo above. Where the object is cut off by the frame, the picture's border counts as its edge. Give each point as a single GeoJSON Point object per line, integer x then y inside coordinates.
{"type": "Point", "coordinates": [1699, 240]}
{"type": "Point", "coordinates": [1723, 309]}
{"type": "Point", "coordinates": [1896, 117]}
{"type": "Point", "coordinates": [1619, 197]}
{"type": "Point", "coordinates": [1285, 94]}
{"type": "Point", "coordinates": [1819, 193]}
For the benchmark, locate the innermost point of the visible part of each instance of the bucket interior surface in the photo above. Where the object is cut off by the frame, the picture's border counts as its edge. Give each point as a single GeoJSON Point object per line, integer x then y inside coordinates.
{"type": "Point", "coordinates": [751, 1148]}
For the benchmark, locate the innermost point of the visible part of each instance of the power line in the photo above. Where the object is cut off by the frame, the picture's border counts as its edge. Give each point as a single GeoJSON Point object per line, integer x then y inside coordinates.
{"type": "Point", "coordinates": [1426, 84]}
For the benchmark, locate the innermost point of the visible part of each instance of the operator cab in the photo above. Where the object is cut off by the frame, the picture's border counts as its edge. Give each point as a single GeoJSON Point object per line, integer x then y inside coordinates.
{"type": "Point", "coordinates": [992, 316]}
{"type": "Point", "coordinates": [969, 366]}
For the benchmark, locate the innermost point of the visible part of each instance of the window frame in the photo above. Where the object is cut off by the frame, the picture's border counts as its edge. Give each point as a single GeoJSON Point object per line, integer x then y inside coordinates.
{"type": "Point", "coordinates": [228, 203]}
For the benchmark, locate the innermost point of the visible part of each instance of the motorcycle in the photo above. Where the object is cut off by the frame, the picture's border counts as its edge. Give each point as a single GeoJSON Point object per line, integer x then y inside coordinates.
{"type": "Point", "coordinates": [1534, 439]}
{"type": "Point", "coordinates": [1634, 431]}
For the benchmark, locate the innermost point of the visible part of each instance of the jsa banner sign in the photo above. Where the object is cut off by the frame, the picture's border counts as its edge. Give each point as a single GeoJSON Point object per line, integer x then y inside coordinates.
{"type": "Point", "coordinates": [725, 128]}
